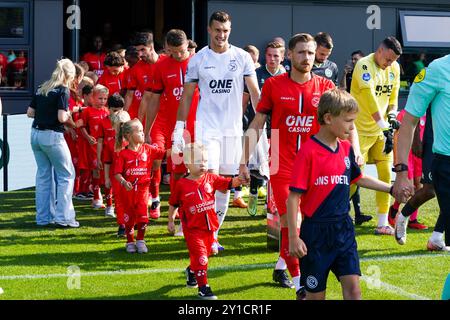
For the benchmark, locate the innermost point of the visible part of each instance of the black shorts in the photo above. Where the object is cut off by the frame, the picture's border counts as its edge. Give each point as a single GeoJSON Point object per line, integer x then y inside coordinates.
{"type": "Point", "coordinates": [331, 246]}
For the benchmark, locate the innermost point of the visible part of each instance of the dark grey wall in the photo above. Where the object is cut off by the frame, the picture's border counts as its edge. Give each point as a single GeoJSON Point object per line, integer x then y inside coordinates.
{"type": "Point", "coordinates": [259, 21]}
{"type": "Point", "coordinates": [47, 31]}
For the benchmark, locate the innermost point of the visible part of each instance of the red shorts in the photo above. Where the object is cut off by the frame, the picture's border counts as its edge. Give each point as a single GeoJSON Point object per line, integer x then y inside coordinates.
{"type": "Point", "coordinates": [414, 166]}
{"type": "Point", "coordinates": [280, 191]}
{"type": "Point", "coordinates": [199, 244]}
{"type": "Point", "coordinates": [83, 147]}
{"type": "Point", "coordinates": [73, 148]}
{"type": "Point", "coordinates": [135, 204]}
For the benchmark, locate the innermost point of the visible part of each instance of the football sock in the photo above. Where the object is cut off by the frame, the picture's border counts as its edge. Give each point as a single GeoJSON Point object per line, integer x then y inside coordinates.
{"type": "Point", "coordinates": [154, 183]}
{"type": "Point", "coordinates": [292, 263]}
{"type": "Point", "coordinates": [201, 277]}
{"type": "Point", "coordinates": [141, 226]}
{"type": "Point", "coordinates": [222, 200]}
{"type": "Point", "coordinates": [281, 264]}
{"type": "Point", "coordinates": [108, 197]}
{"type": "Point", "coordinates": [408, 210]}
{"type": "Point", "coordinates": [130, 233]}
{"type": "Point", "coordinates": [382, 220]}
{"type": "Point", "coordinates": [296, 281]}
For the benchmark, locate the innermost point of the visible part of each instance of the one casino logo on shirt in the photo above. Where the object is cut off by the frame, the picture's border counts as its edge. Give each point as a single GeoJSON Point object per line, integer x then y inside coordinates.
{"type": "Point", "coordinates": [208, 188]}
{"type": "Point", "coordinates": [299, 124]}
{"type": "Point", "coordinates": [347, 162]}
{"type": "Point", "coordinates": [221, 86]}
{"type": "Point", "coordinates": [366, 76]}
{"type": "Point", "coordinates": [232, 66]}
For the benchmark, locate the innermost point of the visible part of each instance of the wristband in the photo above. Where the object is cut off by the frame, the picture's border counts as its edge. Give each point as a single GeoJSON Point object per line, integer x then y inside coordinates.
{"type": "Point", "coordinates": [400, 167]}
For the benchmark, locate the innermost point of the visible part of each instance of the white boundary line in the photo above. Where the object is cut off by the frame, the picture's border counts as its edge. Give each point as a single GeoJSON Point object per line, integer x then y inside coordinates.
{"type": "Point", "coordinates": [385, 286]}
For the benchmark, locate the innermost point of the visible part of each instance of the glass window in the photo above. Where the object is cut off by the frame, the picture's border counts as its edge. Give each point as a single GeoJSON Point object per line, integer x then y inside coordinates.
{"type": "Point", "coordinates": [12, 22]}
{"type": "Point", "coordinates": [14, 69]}
{"type": "Point", "coordinates": [411, 64]}
{"type": "Point", "coordinates": [425, 28]}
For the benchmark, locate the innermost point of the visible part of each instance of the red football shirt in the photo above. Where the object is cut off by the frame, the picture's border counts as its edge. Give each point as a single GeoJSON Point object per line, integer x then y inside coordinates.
{"type": "Point", "coordinates": [293, 107]}
{"type": "Point", "coordinates": [136, 166]}
{"type": "Point", "coordinates": [168, 81]}
{"type": "Point", "coordinates": [18, 64]}
{"type": "Point", "coordinates": [3, 64]}
{"type": "Point", "coordinates": [95, 61]}
{"type": "Point", "coordinates": [92, 120]}
{"type": "Point", "coordinates": [323, 176]}
{"type": "Point", "coordinates": [139, 79]}
{"type": "Point", "coordinates": [112, 82]}
{"type": "Point", "coordinates": [196, 201]}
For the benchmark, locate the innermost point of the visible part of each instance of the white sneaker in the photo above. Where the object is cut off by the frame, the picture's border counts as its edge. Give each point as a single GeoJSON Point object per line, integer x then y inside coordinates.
{"type": "Point", "coordinates": [141, 247]}
{"type": "Point", "coordinates": [437, 245]}
{"type": "Point", "coordinates": [131, 247]}
{"type": "Point", "coordinates": [400, 229]}
{"type": "Point", "coordinates": [179, 234]}
{"type": "Point", "coordinates": [98, 204]}
{"type": "Point", "coordinates": [215, 248]}
{"type": "Point", "coordinates": [73, 224]}
{"type": "Point", "coordinates": [109, 212]}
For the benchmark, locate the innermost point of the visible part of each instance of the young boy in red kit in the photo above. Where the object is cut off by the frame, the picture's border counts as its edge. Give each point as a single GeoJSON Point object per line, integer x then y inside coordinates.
{"type": "Point", "coordinates": [113, 76]}
{"type": "Point", "coordinates": [133, 170]}
{"type": "Point", "coordinates": [322, 174]}
{"type": "Point", "coordinates": [194, 196]}
{"type": "Point", "coordinates": [90, 123]}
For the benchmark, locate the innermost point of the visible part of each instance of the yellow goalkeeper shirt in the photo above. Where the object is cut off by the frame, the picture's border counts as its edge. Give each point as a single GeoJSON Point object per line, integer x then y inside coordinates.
{"type": "Point", "coordinates": [374, 89]}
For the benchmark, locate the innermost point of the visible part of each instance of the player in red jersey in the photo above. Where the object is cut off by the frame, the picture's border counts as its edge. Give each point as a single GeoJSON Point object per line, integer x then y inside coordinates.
{"type": "Point", "coordinates": [292, 99]}
{"type": "Point", "coordinates": [96, 57]}
{"type": "Point", "coordinates": [19, 64]}
{"type": "Point", "coordinates": [3, 66]}
{"type": "Point", "coordinates": [140, 75]}
{"type": "Point", "coordinates": [322, 173]}
{"type": "Point", "coordinates": [194, 196]}
{"type": "Point", "coordinates": [113, 77]}
{"type": "Point", "coordinates": [162, 104]}
{"type": "Point", "coordinates": [133, 170]}
{"type": "Point", "coordinates": [90, 123]}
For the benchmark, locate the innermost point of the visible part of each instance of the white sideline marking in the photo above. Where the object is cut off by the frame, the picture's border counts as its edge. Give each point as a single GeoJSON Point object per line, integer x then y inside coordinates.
{"type": "Point", "coordinates": [384, 285]}
{"type": "Point", "coordinates": [396, 290]}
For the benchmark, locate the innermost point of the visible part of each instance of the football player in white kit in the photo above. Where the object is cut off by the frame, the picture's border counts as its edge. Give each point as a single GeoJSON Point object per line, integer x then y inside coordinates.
{"type": "Point", "coordinates": [219, 70]}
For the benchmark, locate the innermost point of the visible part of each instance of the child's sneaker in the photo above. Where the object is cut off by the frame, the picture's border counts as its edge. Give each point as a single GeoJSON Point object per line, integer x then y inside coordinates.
{"type": "Point", "coordinates": [98, 204]}
{"type": "Point", "coordinates": [131, 247]}
{"type": "Point", "coordinates": [154, 210]}
{"type": "Point", "coordinates": [205, 293]}
{"type": "Point", "coordinates": [109, 212]}
{"type": "Point", "coordinates": [82, 196]}
{"type": "Point", "coordinates": [239, 203]}
{"type": "Point", "coordinates": [121, 232]}
{"type": "Point", "coordinates": [386, 230]}
{"type": "Point", "coordinates": [216, 247]}
{"type": "Point", "coordinates": [191, 282]}
{"type": "Point", "coordinates": [141, 247]}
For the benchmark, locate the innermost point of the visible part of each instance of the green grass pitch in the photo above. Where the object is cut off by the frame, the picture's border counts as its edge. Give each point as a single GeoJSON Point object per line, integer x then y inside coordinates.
{"type": "Point", "coordinates": [91, 262]}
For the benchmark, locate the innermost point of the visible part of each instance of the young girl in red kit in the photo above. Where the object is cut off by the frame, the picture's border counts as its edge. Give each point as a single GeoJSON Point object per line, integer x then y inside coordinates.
{"type": "Point", "coordinates": [133, 170]}
{"type": "Point", "coordinates": [194, 196]}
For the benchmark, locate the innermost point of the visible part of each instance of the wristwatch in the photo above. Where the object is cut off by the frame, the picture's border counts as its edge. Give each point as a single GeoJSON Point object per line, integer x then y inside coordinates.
{"type": "Point", "coordinates": [400, 167]}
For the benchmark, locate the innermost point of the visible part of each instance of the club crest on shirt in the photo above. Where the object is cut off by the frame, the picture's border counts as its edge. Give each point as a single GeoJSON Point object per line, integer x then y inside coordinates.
{"type": "Point", "coordinates": [232, 66]}
{"type": "Point", "coordinates": [208, 188]}
{"type": "Point", "coordinates": [328, 73]}
{"type": "Point", "coordinates": [420, 76]}
{"type": "Point", "coordinates": [391, 76]}
{"type": "Point", "coordinates": [315, 101]}
{"type": "Point", "coordinates": [347, 162]}
{"type": "Point", "coordinates": [366, 76]}
{"type": "Point", "coordinates": [144, 156]}
{"type": "Point", "coordinates": [311, 282]}
{"type": "Point", "coordinates": [192, 209]}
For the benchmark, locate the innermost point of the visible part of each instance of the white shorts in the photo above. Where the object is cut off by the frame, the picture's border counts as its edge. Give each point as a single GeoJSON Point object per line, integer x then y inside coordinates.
{"type": "Point", "coordinates": [224, 153]}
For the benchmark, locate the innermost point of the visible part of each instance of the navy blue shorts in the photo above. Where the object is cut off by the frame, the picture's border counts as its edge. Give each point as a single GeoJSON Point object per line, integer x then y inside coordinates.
{"type": "Point", "coordinates": [331, 246]}
{"type": "Point", "coordinates": [427, 160]}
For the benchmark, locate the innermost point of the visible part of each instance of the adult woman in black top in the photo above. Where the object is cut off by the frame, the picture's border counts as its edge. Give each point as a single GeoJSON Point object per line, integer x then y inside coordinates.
{"type": "Point", "coordinates": [49, 108]}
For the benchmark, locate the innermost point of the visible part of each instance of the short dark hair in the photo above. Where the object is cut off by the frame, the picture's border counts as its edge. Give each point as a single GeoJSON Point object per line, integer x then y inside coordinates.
{"type": "Point", "coordinates": [131, 52]}
{"type": "Point", "coordinates": [358, 52]}
{"type": "Point", "coordinates": [114, 59]}
{"type": "Point", "coordinates": [393, 44]}
{"type": "Point", "coordinates": [87, 89]}
{"type": "Point", "coordinates": [175, 37]}
{"type": "Point", "coordinates": [116, 101]}
{"type": "Point", "coordinates": [143, 39]}
{"type": "Point", "coordinates": [300, 37]}
{"type": "Point", "coordinates": [323, 39]}
{"type": "Point", "coordinates": [220, 16]}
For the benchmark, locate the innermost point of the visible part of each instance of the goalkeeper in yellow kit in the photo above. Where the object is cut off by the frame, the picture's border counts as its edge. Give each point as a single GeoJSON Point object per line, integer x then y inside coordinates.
{"type": "Point", "coordinates": [375, 85]}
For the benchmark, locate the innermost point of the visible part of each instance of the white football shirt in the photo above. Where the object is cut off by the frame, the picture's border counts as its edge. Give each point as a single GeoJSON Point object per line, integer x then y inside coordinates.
{"type": "Point", "coordinates": [220, 78]}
